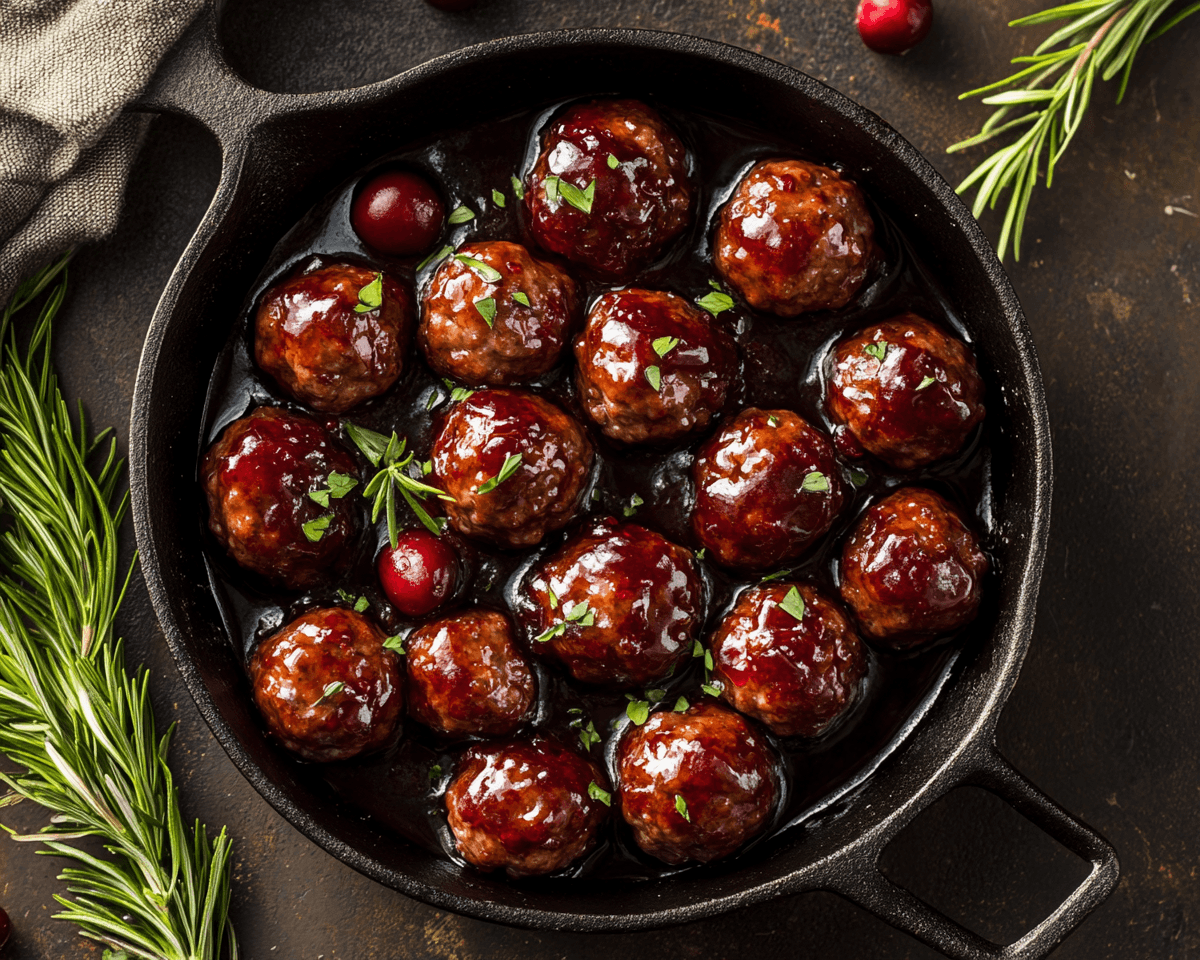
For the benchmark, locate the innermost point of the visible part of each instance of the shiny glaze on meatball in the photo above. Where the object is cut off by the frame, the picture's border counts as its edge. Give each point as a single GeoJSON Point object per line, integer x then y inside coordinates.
{"type": "Point", "coordinates": [905, 391]}
{"type": "Point", "coordinates": [326, 685]}
{"type": "Point", "coordinates": [795, 237]}
{"type": "Point", "coordinates": [767, 486]}
{"type": "Point", "coordinates": [652, 367]}
{"type": "Point", "coordinates": [796, 676]}
{"type": "Point", "coordinates": [466, 675]}
{"type": "Point", "coordinates": [696, 785]}
{"type": "Point", "coordinates": [503, 323]}
{"type": "Point", "coordinates": [636, 170]}
{"type": "Point", "coordinates": [912, 569]}
{"type": "Point", "coordinates": [545, 489]}
{"type": "Point", "coordinates": [323, 351]}
{"type": "Point", "coordinates": [644, 602]}
{"type": "Point", "coordinates": [258, 477]}
{"type": "Point", "coordinates": [525, 806]}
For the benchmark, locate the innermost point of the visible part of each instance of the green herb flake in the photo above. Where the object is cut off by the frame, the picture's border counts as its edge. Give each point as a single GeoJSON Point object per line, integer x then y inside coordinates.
{"type": "Point", "coordinates": [461, 215]}
{"type": "Point", "coordinates": [634, 502]}
{"type": "Point", "coordinates": [859, 477]}
{"type": "Point", "coordinates": [331, 690]}
{"type": "Point", "coordinates": [395, 644]}
{"type": "Point", "coordinates": [655, 695]}
{"type": "Point", "coordinates": [777, 575]}
{"type": "Point", "coordinates": [638, 711]}
{"type": "Point", "coordinates": [435, 773]}
{"type": "Point", "coordinates": [664, 345]}
{"type": "Point", "coordinates": [654, 378]}
{"type": "Point", "coordinates": [595, 495]}
{"type": "Point", "coordinates": [596, 792]}
{"type": "Point", "coordinates": [708, 660]}
{"type": "Point", "coordinates": [613, 162]}
{"type": "Point", "coordinates": [578, 612]}
{"type": "Point", "coordinates": [700, 553]}
{"type": "Point", "coordinates": [697, 649]}
{"type": "Point", "coordinates": [487, 309]}
{"type": "Point", "coordinates": [485, 271]}
{"type": "Point", "coordinates": [716, 302]}
{"type": "Point", "coordinates": [320, 496]}
{"type": "Point", "coordinates": [498, 198]}
{"type": "Point", "coordinates": [314, 530]}
{"type": "Point", "coordinates": [580, 199]}
{"type": "Point", "coordinates": [518, 188]}
{"type": "Point", "coordinates": [370, 297]}
{"type": "Point", "coordinates": [681, 705]}
{"type": "Point", "coordinates": [340, 484]}
{"type": "Point", "coordinates": [793, 603]}
{"type": "Point", "coordinates": [461, 393]}
{"type": "Point", "coordinates": [815, 482]}
{"type": "Point", "coordinates": [773, 420]}
{"type": "Point", "coordinates": [522, 298]}
{"type": "Point", "coordinates": [588, 736]}
{"type": "Point", "coordinates": [436, 255]}
{"type": "Point", "coordinates": [550, 185]}
{"type": "Point", "coordinates": [877, 350]}
{"type": "Point", "coordinates": [712, 689]}
{"type": "Point", "coordinates": [361, 604]}
{"type": "Point", "coordinates": [511, 464]}
{"type": "Point", "coordinates": [553, 597]}
{"type": "Point", "coordinates": [432, 401]}
{"type": "Point", "coordinates": [550, 633]}
{"type": "Point", "coordinates": [575, 711]}
{"type": "Point", "coordinates": [426, 468]}
{"type": "Point", "coordinates": [681, 808]}
{"type": "Point", "coordinates": [927, 382]}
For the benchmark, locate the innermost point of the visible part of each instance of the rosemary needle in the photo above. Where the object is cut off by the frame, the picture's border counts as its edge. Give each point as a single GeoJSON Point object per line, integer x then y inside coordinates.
{"type": "Point", "coordinates": [1051, 93]}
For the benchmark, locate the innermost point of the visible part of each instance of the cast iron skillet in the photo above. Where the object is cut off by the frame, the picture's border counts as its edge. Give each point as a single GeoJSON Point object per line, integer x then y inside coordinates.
{"type": "Point", "coordinates": [284, 152]}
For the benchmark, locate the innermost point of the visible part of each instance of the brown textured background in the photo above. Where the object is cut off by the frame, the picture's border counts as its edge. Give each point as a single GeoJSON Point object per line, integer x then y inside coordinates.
{"type": "Point", "coordinates": [1105, 715]}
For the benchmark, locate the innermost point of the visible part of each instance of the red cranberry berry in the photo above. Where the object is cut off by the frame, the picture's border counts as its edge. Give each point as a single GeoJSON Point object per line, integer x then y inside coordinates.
{"type": "Point", "coordinates": [398, 213]}
{"type": "Point", "coordinates": [452, 6]}
{"type": "Point", "coordinates": [894, 26]}
{"type": "Point", "coordinates": [5, 929]}
{"type": "Point", "coordinates": [419, 573]}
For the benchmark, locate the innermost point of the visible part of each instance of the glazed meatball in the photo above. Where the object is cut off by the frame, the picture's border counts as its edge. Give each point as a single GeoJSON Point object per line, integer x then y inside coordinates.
{"type": "Point", "coordinates": [912, 569]}
{"type": "Point", "coordinates": [548, 459]}
{"type": "Point", "coordinates": [696, 785]}
{"type": "Point", "coordinates": [652, 367]}
{"type": "Point", "coordinates": [334, 337]}
{"type": "Point", "coordinates": [525, 806]}
{"type": "Point", "coordinates": [905, 391]}
{"type": "Point", "coordinates": [495, 316]}
{"type": "Point", "coordinates": [767, 486]}
{"type": "Point", "coordinates": [643, 598]}
{"type": "Point", "coordinates": [327, 686]}
{"type": "Point", "coordinates": [467, 677]}
{"type": "Point", "coordinates": [259, 477]}
{"type": "Point", "coordinates": [795, 237]}
{"type": "Point", "coordinates": [795, 674]}
{"type": "Point", "coordinates": [610, 189]}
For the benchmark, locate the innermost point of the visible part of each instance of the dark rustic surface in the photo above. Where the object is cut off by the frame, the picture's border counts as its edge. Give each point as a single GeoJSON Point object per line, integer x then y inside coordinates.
{"type": "Point", "coordinates": [1104, 715]}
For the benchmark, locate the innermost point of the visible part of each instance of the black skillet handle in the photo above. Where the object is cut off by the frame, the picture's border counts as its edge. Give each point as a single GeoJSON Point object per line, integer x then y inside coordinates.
{"type": "Point", "coordinates": [870, 889]}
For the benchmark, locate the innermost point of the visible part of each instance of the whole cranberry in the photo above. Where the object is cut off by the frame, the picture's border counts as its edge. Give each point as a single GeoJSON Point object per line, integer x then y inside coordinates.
{"type": "Point", "coordinates": [419, 573]}
{"type": "Point", "coordinates": [5, 928]}
{"type": "Point", "coordinates": [894, 26]}
{"type": "Point", "coordinates": [398, 213]}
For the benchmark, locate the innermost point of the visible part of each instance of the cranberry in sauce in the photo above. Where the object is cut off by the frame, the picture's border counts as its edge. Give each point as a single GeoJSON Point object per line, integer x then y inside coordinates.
{"type": "Point", "coordinates": [912, 569]}
{"type": "Point", "coordinates": [419, 573]}
{"type": "Point", "coordinates": [327, 686]}
{"type": "Point", "coordinates": [335, 336]}
{"type": "Point", "coordinates": [610, 189]}
{"type": "Point", "coordinates": [260, 478]}
{"type": "Point", "coordinates": [525, 806]}
{"type": "Point", "coordinates": [398, 213]}
{"type": "Point", "coordinates": [696, 785]}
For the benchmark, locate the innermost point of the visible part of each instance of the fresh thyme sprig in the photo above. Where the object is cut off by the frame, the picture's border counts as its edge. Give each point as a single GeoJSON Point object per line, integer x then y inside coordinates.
{"type": "Point", "coordinates": [1054, 90]}
{"type": "Point", "coordinates": [77, 723]}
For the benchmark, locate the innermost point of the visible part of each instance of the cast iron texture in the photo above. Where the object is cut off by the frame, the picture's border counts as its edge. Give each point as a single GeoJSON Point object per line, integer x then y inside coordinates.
{"type": "Point", "coordinates": [275, 169]}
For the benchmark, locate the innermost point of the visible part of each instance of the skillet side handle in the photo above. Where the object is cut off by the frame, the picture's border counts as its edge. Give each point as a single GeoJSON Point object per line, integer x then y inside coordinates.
{"type": "Point", "coordinates": [870, 889]}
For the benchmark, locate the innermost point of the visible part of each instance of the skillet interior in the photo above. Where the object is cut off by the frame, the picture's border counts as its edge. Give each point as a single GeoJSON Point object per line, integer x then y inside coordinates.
{"type": "Point", "coordinates": [284, 154]}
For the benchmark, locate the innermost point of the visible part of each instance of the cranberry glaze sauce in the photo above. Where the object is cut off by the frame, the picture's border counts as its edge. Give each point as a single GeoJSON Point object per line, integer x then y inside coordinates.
{"type": "Point", "coordinates": [784, 366]}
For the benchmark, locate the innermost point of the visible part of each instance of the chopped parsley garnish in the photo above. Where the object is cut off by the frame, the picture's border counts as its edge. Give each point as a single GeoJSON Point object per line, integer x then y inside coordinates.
{"type": "Point", "coordinates": [777, 575]}
{"type": "Point", "coordinates": [518, 188]}
{"type": "Point", "coordinates": [772, 420]}
{"type": "Point", "coordinates": [426, 468]}
{"type": "Point", "coordinates": [815, 482]}
{"type": "Point", "coordinates": [858, 477]}
{"type": "Point", "coordinates": [712, 689]}
{"type": "Point", "coordinates": [314, 530]}
{"type": "Point", "coordinates": [697, 649]}
{"type": "Point", "coordinates": [664, 345]}
{"type": "Point", "coordinates": [877, 350]}
{"type": "Point", "coordinates": [634, 502]}
{"type": "Point", "coordinates": [461, 215]}
{"type": "Point", "coordinates": [588, 736]}
{"type": "Point", "coordinates": [432, 402]}
{"type": "Point", "coordinates": [461, 393]}
{"type": "Point", "coordinates": [613, 162]}
{"type": "Point", "coordinates": [498, 198]}
{"type": "Point", "coordinates": [700, 553]}
{"type": "Point", "coordinates": [550, 185]}
{"type": "Point", "coordinates": [331, 690]}
{"type": "Point", "coordinates": [360, 604]}
{"type": "Point", "coordinates": [580, 199]}
{"type": "Point", "coordinates": [716, 302]}
{"type": "Point", "coordinates": [436, 255]}
{"type": "Point", "coordinates": [370, 297]}
{"type": "Point", "coordinates": [655, 695]}
{"type": "Point", "coordinates": [487, 309]}
{"type": "Point", "coordinates": [340, 484]}
{"type": "Point", "coordinates": [395, 644]}
{"type": "Point", "coordinates": [654, 378]}
{"type": "Point", "coordinates": [522, 298]}
{"type": "Point", "coordinates": [435, 773]}
{"type": "Point", "coordinates": [793, 603]}
{"type": "Point", "coordinates": [553, 597]}
{"type": "Point", "coordinates": [579, 613]}
{"type": "Point", "coordinates": [708, 660]}
{"type": "Point", "coordinates": [927, 382]}
{"type": "Point", "coordinates": [511, 464]}
{"type": "Point", "coordinates": [681, 808]}
{"type": "Point", "coordinates": [596, 792]}
{"type": "Point", "coordinates": [595, 495]}
{"type": "Point", "coordinates": [637, 710]}
{"type": "Point", "coordinates": [681, 705]}
{"type": "Point", "coordinates": [485, 270]}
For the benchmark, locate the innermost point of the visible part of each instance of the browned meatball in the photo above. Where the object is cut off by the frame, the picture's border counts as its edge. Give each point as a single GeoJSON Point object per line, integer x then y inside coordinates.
{"type": "Point", "coordinates": [652, 367]}
{"type": "Point", "coordinates": [767, 486]}
{"type": "Point", "coordinates": [642, 602]}
{"type": "Point", "coordinates": [327, 686]}
{"type": "Point", "coordinates": [466, 675]}
{"type": "Point", "coordinates": [795, 237]}
{"type": "Point", "coordinates": [525, 806]}
{"type": "Point", "coordinates": [259, 478]}
{"type": "Point", "coordinates": [787, 656]}
{"type": "Point", "coordinates": [548, 459]}
{"type": "Point", "coordinates": [696, 785]}
{"type": "Point", "coordinates": [912, 569]}
{"type": "Point", "coordinates": [496, 316]}
{"type": "Point", "coordinates": [334, 337]}
{"type": "Point", "coordinates": [905, 391]}
{"type": "Point", "coordinates": [610, 189]}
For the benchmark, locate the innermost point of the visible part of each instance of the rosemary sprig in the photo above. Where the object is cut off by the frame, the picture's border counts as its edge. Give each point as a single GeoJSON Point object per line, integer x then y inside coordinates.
{"type": "Point", "coordinates": [1051, 94]}
{"type": "Point", "coordinates": [72, 718]}
{"type": "Point", "coordinates": [392, 478]}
